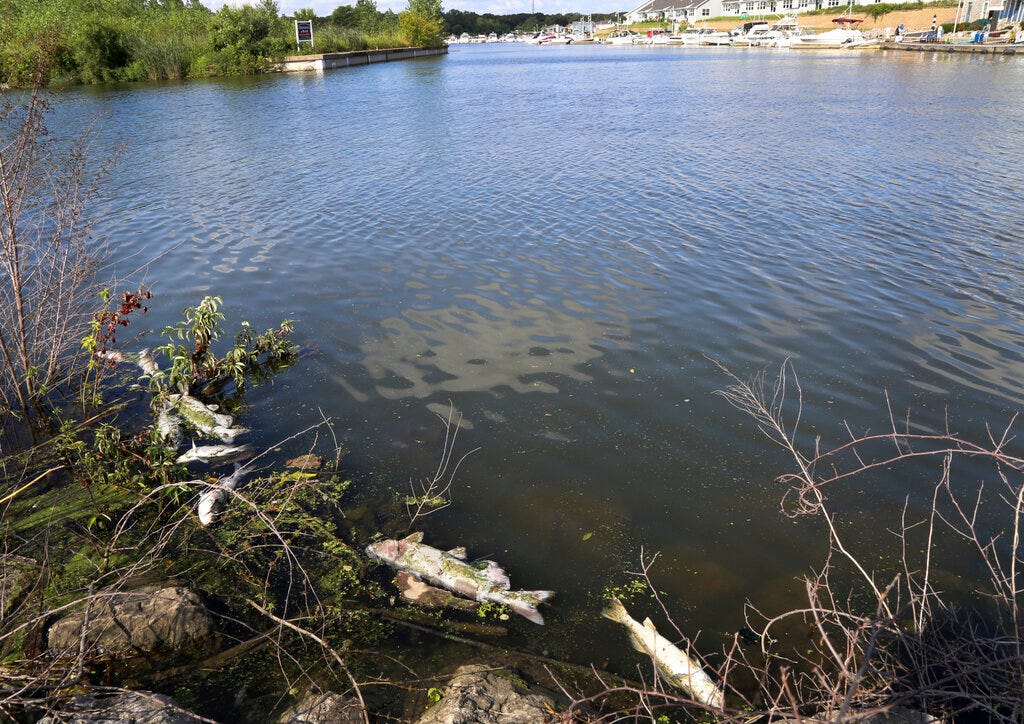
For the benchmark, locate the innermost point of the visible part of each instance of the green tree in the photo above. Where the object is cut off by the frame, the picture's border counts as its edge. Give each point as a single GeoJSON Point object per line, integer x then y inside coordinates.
{"type": "Point", "coordinates": [427, 8]}
{"type": "Point", "coordinates": [367, 15]}
{"type": "Point", "coordinates": [345, 16]}
{"type": "Point", "coordinates": [244, 37]}
{"type": "Point", "coordinates": [305, 14]}
{"type": "Point", "coordinates": [422, 23]}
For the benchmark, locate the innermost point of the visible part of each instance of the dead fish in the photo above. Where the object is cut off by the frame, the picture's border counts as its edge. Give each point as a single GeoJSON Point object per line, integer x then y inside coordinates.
{"type": "Point", "coordinates": [677, 668]}
{"type": "Point", "coordinates": [169, 426]}
{"type": "Point", "coordinates": [111, 356]}
{"type": "Point", "coordinates": [211, 501]}
{"type": "Point", "coordinates": [213, 453]}
{"type": "Point", "coordinates": [481, 581]}
{"type": "Point", "coordinates": [227, 434]}
{"type": "Point", "coordinates": [147, 363]}
{"type": "Point", "coordinates": [201, 416]}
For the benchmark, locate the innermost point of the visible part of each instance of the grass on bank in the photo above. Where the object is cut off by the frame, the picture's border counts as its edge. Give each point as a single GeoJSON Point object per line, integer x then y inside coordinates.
{"type": "Point", "coordinates": [103, 41]}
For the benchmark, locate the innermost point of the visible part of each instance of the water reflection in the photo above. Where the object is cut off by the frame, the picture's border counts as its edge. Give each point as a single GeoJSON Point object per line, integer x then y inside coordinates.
{"type": "Point", "coordinates": [481, 344]}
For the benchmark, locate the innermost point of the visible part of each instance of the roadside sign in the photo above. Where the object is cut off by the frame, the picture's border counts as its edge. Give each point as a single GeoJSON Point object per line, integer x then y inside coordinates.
{"type": "Point", "coordinates": [303, 32]}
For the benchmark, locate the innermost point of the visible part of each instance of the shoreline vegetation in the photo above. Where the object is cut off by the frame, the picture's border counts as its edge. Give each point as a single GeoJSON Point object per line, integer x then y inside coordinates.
{"type": "Point", "coordinates": [66, 42]}
{"type": "Point", "coordinates": [129, 568]}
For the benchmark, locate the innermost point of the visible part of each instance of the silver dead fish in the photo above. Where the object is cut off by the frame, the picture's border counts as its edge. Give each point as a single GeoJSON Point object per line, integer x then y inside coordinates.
{"type": "Point", "coordinates": [169, 426]}
{"type": "Point", "coordinates": [211, 501]}
{"type": "Point", "coordinates": [147, 362]}
{"type": "Point", "coordinates": [201, 416]}
{"type": "Point", "coordinates": [214, 453]}
{"type": "Point", "coordinates": [677, 668]}
{"type": "Point", "coordinates": [227, 434]}
{"type": "Point", "coordinates": [482, 581]}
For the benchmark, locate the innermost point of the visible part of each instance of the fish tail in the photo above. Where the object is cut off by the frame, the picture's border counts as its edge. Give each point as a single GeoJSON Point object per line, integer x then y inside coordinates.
{"type": "Point", "coordinates": [528, 611]}
{"type": "Point", "coordinates": [616, 611]}
{"type": "Point", "coordinates": [525, 604]}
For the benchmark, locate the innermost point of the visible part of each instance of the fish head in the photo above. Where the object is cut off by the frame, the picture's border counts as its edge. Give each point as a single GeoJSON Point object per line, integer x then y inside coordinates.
{"type": "Point", "coordinates": [387, 551]}
{"type": "Point", "coordinates": [391, 551]}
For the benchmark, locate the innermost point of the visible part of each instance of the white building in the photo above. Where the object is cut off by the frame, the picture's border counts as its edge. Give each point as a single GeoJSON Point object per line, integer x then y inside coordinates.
{"type": "Point", "coordinates": [692, 11]}
{"type": "Point", "coordinates": [689, 11]}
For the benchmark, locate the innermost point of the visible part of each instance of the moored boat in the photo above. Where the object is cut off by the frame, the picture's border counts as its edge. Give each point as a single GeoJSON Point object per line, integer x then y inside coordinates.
{"type": "Point", "coordinates": [622, 37]}
{"type": "Point", "coordinates": [845, 34]}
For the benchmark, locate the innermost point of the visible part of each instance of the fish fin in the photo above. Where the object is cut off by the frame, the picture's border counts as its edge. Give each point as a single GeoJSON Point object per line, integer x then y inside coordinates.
{"type": "Point", "coordinates": [615, 611]}
{"type": "Point", "coordinates": [649, 625]}
{"type": "Point", "coordinates": [416, 537]}
{"type": "Point", "coordinates": [527, 611]}
{"type": "Point", "coordinates": [637, 644]}
{"type": "Point", "coordinates": [458, 552]}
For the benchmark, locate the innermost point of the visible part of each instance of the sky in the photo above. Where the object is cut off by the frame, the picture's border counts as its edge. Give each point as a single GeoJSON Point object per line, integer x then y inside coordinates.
{"type": "Point", "coordinates": [498, 7]}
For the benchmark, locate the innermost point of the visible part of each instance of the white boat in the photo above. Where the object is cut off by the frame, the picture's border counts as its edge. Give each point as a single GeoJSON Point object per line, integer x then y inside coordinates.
{"type": "Point", "coordinates": [559, 40]}
{"type": "Point", "coordinates": [759, 36]}
{"type": "Point", "coordinates": [782, 33]}
{"type": "Point", "coordinates": [694, 35]}
{"type": "Point", "coordinates": [656, 37]}
{"type": "Point", "coordinates": [743, 34]}
{"type": "Point", "coordinates": [538, 38]}
{"type": "Point", "coordinates": [622, 37]}
{"type": "Point", "coordinates": [719, 37]}
{"type": "Point", "coordinates": [845, 34]}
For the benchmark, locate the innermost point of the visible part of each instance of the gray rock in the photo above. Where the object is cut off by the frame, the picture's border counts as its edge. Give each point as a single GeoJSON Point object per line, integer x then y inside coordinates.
{"type": "Point", "coordinates": [17, 576]}
{"type": "Point", "coordinates": [143, 621]}
{"type": "Point", "coordinates": [131, 707]}
{"type": "Point", "coordinates": [327, 708]}
{"type": "Point", "coordinates": [476, 695]}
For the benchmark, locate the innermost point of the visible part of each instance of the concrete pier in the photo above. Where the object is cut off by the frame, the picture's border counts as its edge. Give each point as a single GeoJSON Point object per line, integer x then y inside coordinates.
{"type": "Point", "coordinates": [328, 61]}
{"type": "Point", "coordinates": [992, 49]}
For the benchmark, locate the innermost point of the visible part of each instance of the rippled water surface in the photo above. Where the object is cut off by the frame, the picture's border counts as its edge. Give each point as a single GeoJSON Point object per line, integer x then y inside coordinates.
{"type": "Point", "coordinates": [558, 241]}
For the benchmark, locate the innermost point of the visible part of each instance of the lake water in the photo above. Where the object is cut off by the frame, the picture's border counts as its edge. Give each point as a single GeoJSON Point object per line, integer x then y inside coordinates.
{"type": "Point", "coordinates": [558, 241]}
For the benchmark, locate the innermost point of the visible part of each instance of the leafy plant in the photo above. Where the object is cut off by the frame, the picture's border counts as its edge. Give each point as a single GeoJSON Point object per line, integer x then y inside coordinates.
{"type": "Point", "coordinates": [193, 361]}
{"type": "Point", "coordinates": [112, 459]}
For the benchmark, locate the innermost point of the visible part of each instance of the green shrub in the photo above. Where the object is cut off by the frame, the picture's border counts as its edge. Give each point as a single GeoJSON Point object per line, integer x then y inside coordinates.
{"type": "Point", "coordinates": [243, 38]}
{"type": "Point", "coordinates": [420, 30]}
{"type": "Point", "coordinates": [99, 52]}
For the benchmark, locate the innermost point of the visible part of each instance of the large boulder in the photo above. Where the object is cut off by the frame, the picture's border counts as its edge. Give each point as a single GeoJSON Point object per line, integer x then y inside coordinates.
{"type": "Point", "coordinates": [130, 707]}
{"type": "Point", "coordinates": [327, 708]}
{"type": "Point", "coordinates": [132, 623]}
{"type": "Point", "coordinates": [478, 695]}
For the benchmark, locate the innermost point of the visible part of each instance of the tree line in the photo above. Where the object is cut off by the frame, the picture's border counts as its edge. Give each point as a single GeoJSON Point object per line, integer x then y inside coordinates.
{"type": "Point", "coordinates": [457, 22]}
{"type": "Point", "coordinates": [98, 41]}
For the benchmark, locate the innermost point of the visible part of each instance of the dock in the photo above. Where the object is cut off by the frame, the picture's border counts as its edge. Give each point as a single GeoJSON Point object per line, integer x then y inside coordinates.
{"type": "Point", "coordinates": [987, 49]}
{"type": "Point", "coordinates": [329, 61]}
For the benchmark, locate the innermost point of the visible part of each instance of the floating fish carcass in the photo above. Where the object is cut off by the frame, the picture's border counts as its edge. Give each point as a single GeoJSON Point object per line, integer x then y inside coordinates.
{"type": "Point", "coordinates": [214, 453]}
{"type": "Point", "coordinates": [481, 581]}
{"type": "Point", "coordinates": [677, 668]}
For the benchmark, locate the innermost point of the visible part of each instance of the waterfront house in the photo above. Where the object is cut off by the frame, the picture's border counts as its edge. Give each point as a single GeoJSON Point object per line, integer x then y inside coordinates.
{"type": "Point", "coordinates": [689, 11]}
{"type": "Point", "coordinates": [693, 11]}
